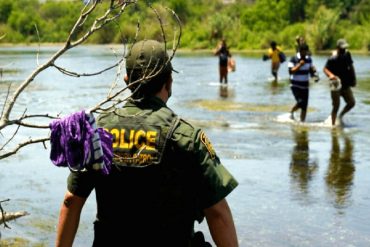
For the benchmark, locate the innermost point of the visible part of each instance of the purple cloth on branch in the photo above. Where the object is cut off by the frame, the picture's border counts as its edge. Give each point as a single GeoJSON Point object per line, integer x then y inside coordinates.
{"type": "Point", "coordinates": [77, 143]}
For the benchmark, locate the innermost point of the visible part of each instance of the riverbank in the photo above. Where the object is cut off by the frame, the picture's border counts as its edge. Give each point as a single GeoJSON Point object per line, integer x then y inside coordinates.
{"type": "Point", "coordinates": [186, 51]}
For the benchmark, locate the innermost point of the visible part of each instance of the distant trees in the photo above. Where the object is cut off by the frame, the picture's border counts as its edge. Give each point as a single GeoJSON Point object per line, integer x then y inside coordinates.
{"type": "Point", "coordinates": [90, 20]}
{"type": "Point", "coordinates": [247, 24]}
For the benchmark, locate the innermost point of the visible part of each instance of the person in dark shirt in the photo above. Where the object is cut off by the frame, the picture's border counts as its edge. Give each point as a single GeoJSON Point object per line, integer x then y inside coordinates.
{"type": "Point", "coordinates": [340, 65]}
{"type": "Point", "coordinates": [222, 51]}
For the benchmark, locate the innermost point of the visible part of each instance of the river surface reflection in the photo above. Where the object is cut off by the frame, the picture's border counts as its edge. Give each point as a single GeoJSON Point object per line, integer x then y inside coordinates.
{"type": "Point", "coordinates": [341, 170]}
{"type": "Point", "coordinates": [299, 184]}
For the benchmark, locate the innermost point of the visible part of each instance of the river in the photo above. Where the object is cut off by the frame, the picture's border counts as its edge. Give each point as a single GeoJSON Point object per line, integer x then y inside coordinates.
{"type": "Point", "coordinates": [299, 184]}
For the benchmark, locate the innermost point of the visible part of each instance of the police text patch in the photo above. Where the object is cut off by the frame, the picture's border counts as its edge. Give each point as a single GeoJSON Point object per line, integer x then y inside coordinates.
{"type": "Point", "coordinates": [136, 144]}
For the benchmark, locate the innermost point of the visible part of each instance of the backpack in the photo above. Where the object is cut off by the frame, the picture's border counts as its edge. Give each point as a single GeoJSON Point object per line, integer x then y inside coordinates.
{"type": "Point", "coordinates": [282, 57]}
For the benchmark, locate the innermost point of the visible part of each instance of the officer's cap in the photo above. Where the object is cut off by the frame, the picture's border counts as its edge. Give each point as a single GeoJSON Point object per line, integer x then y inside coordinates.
{"type": "Point", "coordinates": [148, 57]}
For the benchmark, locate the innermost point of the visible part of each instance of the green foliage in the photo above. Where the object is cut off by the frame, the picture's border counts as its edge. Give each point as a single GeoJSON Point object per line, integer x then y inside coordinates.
{"type": "Point", "coordinates": [361, 15]}
{"type": "Point", "coordinates": [358, 37]}
{"type": "Point", "coordinates": [195, 37]}
{"type": "Point", "coordinates": [25, 23]}
{"type": "Point", "coordinates": [181, 7]}
{"type": "Point", "coordinates": [323, 28]}
{"type": "Point", "coordinates": [6, 7]}
{"type": "Point", "coordinates": [264, 15]}
{"type": "Point", "coordinates": [218, 24]}
{"type": "Point", "coordinates": [245, 24]}
{"type": "Point", "coordinates": [296, 10]}
{"type": "Point", "coordinates": [287, 36]}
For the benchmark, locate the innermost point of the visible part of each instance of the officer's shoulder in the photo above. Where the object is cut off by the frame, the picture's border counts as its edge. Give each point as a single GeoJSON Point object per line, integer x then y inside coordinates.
{"type": "Point", "coordinates": [103, 117]}
{"type": "Point", "coordinates": [185, 134]}
{"type": "Point", "coordinates": [185, 128]}
{"type": "Point", "coordinates": [187, 131]}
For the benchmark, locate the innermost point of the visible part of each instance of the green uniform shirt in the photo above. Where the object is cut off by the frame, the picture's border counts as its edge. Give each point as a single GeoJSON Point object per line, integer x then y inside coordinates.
{"type": "Point", "coordinates": [162, 197]}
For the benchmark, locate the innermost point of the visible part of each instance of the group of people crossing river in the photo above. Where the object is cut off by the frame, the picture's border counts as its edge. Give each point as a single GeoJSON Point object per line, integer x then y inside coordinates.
{"type": "Point", "coordinates": [338, 68]}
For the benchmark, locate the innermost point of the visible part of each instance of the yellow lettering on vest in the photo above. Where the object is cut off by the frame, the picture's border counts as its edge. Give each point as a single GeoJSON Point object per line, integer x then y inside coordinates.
{"type": "Point", "coordinates": [131, 140]}
{"type": "Point", "coordinates": [122, 143]}
{"type": "Point", "coordinates": [150, 140]}
{"type": "Point", "coordinates": [139, 133]}
{"type": "Point", "coordinates": [115, 133]}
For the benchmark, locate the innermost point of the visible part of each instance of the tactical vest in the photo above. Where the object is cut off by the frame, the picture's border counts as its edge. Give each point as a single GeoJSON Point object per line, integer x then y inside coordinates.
{"type": "Point", "coordinates": [154, 174]}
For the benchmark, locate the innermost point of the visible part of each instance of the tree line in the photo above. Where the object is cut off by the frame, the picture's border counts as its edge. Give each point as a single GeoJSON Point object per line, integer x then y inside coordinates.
{"type": "Point", "coordinates": [246, 24]}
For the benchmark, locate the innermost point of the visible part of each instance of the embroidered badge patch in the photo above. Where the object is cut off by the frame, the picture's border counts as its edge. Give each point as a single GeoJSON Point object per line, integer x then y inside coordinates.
{"type": "Point", "coordinates": [208, 145]}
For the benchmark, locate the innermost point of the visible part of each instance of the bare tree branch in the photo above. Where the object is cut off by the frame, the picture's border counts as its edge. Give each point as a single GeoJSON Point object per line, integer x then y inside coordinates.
{"type": "Point", "coordinates": [96, 26]}
{"type": "Point", "coordinates": [3, 214]}
{"type": "Point", "coordinates": [75, 74]}
{"type": "Point", "coordinates": [10, 103]}
{"type": "Point", "coordinates": [11, 216]}
{"type": "Point", "coordinates": [6, 216]}
{"type": "Point", "coordinates": [114, 98]}
{"type": "Point", "coordinates": [14, 134]}
{"type": "Point", "coordinates": [6, 99]}
{"type": "Point", "coordinates": [20, 145]}
{"type": "Point", "coordinates": [38, 50]}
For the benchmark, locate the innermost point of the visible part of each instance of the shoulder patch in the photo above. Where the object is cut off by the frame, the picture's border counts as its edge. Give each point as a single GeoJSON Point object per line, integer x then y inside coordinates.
{"type": "Point", "coordinates": [208, 144]}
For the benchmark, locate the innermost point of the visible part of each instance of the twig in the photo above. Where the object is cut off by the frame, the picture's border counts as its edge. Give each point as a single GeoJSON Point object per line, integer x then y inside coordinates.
{"type": "Point", "coordinates": [6, 99]}
{"type": "Point", "coordinates": [75, 74]}
{"type": "Point", "coordinates": [20, 145]}
{"type": "Point", "coordinates": [12, 216]}
{"type": "Point", "coordinates": [176, 44]}
{"type": "Point", "coordinates": [3, 213]}
{"type": "Point", "coordinates": [30, 125]}
{"type": "Point", "coordinates": [14, 134]}
{"type": "Point", "coordinates": [38, 50]}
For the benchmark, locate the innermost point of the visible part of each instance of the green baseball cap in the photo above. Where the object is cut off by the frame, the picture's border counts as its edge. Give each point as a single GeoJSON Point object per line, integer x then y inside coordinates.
{"type": "Point", "coordinates": [148, 56]}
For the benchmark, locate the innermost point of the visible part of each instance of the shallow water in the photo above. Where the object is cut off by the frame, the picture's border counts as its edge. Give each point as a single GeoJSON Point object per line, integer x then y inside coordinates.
{"type": "Point", "coordinates": [299, 184]}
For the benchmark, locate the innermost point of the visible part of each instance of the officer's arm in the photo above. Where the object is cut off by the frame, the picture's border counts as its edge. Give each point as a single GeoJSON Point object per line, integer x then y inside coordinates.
{"type": "Point", "coordinates": [221, 224]}
{"type": "Point", "coordinates": [69, 219]}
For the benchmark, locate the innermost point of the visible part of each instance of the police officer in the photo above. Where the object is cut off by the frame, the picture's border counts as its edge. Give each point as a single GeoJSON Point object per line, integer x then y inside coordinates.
{"type": "Point", "coordinates": [165, 173]}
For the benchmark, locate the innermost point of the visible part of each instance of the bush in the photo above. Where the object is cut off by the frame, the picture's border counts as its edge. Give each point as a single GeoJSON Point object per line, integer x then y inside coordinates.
{"type": "Point", "coordinates": [358, 37]}
{"type": "Point", "coordinates": [288, 34]}
{"type": "Point", "coordinates": [323, 28]}
{"type": "Point", "coordinates": [6, 7]}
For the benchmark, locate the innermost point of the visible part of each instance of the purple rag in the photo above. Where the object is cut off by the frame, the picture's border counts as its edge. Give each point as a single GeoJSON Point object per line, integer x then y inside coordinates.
{"type": "Point", "coordinates": [77, 143]}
